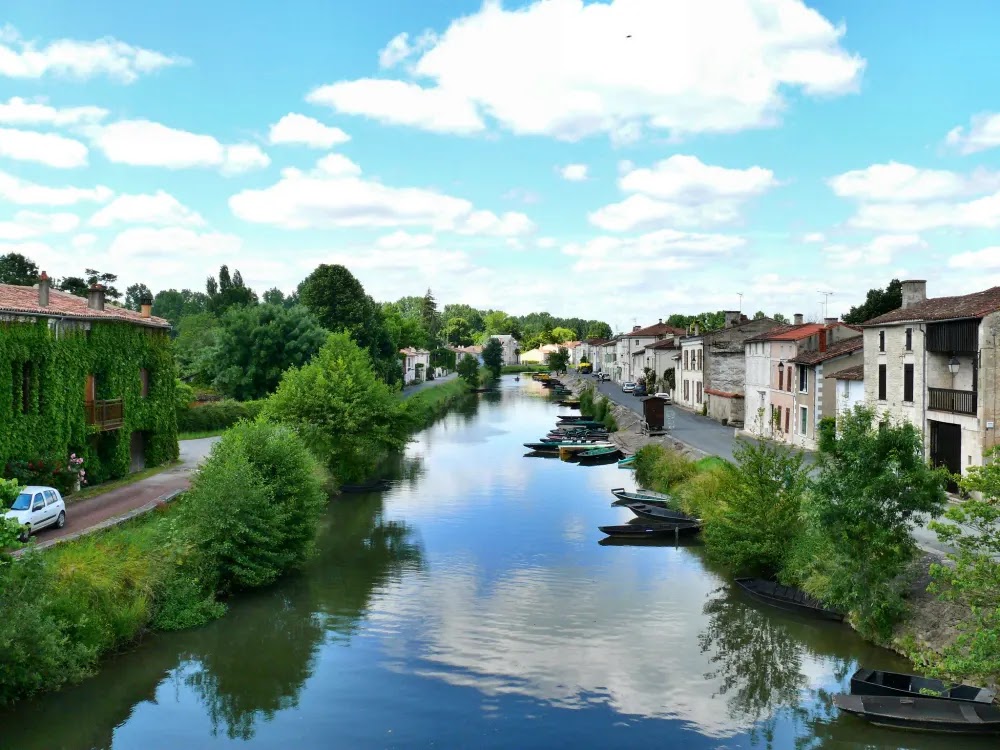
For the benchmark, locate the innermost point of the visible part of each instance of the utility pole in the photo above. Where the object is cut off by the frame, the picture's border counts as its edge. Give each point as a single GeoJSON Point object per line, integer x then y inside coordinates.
{"type": "Point", "coordinates": [826, 302]}
{"type": "Point", "coordinates": [740, 295]}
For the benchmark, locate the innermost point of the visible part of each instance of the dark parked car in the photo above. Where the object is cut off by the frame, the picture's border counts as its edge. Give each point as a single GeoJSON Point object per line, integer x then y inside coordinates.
{"type": "Point", "coordinates": [640, 390]}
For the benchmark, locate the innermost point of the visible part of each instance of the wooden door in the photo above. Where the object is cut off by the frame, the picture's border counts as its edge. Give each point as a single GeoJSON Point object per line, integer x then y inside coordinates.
{"type": "Point", "coordinates": [946, 448]}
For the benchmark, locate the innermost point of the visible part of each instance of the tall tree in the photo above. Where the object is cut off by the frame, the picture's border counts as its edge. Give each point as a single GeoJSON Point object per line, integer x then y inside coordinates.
{"type": "Point", "coordinates": [470, 314]}
{"type": "Point", "coordinates": [135, 294]}
{"type": "Point", "coordinates": [877, 302]}
{"type": "Point", "coordinates": [497, 322]}
{"type": "Point", "coordinates": [458, 332]}
{"type": "Point", "coordinates": [559, 334]}
{"type": "Point", "coordinates": [107, 280]}
{"type": "Point", "coordinates": [339, 301]}
{"type": "Point", "coordinates": [274, 296]}
{"type": "Point", "coordinates": [759, 315]}
{"type": "Point", "coordinates": [468, 370]}
{"type": "Point", "coordinates": [598, 330]}
{"type": "Point", "coordinates": [493, 357]}
{"type": "Point", "coordinates": [557, 360]}
{"type": "Point", "coordinates": [74, 285]}
{"type": "Point", "coordinates": [229, 291]}
{"type": "Point", "coordinates": [429, 315]}
{"type": "Point", "coordinates": [18, 270]}
{"type": "Point", "coordinates": [781, 318]}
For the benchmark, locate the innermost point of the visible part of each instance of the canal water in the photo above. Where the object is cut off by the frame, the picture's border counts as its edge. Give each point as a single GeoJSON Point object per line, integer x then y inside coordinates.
{"type": "Point", "coordinates": [472, 606]}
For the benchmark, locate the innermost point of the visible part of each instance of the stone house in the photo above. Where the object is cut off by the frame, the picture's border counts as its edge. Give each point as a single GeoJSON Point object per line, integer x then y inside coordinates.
{"type": "Point", "coordinates": [589, 350]}
{"type": "Point", "coordinates": [511, 348]}
{"type": "Point", "coordinates": [690, 379]}
{"type": "Point", "coordinates": [473, 351]}
{"type": "Point", "coordinates": [608, 352]}
{"type": "Point", "coordinates": [416, 362]}
{"type": "Point", "coordinates": [627, 344]}
{"type": "Point", "coordinates": [80, 375]}
{"type": "Point", "coordinates": [660, 357]}
{"type": "Point", "coordinates": [933, 362]}
{"type": "Point", "coordinates": [811, 403]}
{"type": "Point", "coordinates": [723, 374]}
{"type": "Point", "coordinates": [849, 385]}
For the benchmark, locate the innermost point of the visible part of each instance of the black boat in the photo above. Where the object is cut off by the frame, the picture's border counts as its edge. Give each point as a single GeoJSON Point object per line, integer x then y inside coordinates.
{"type": "Point", "coordinates": [654, 513]}
{"type": "Point", "coordinates": [569, 404]}
{"type": "Point", "coordinates": [878, 682]}
{"type": "Point", "coordinates": [573, 417]}
{"type": "Point", "coordinates": [787, 598]}
{"type": "Point", "coordinates": [926, 714]}
{"type": "Point", "coordinates": [650, 530]}
{"type": "Point", "coordinates": [374, 485]}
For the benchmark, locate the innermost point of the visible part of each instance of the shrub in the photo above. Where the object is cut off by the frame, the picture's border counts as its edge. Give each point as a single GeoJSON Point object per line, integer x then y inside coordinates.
{"type": "Point", "coordinates": [216, 415]}
{"type": "Point", "coordinates": [702, 495]}
{"type": "Point", "coordinates": [827, 434]}
{"type": "Point", "coordinates": [661, 469]}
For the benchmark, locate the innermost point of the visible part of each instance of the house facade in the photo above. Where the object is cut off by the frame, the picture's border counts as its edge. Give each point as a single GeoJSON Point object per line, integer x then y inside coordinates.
{"type": "Point", "coordinates": [933, 362]}
{"type": "Point", "coordinates": [660, 356]}
{"type": "Point", "coordinates": [416, 363]}
{"type": "Point", "coordinates": [690, 379]}
{"type": "Point", "coordinates": [626, 367]}
{"type": "Point", "coordinates": [809, 386]}
{"type": "Point", "coordinates": [511, 348]}
{"type": "Point", "coordinates": [725, 362]}
{"type": "Point", "coordinates": [475, 352]}
{"type": "Point", "coordinates": [81, 376]}
{"type": "Point", "coordinates": [848, 388]}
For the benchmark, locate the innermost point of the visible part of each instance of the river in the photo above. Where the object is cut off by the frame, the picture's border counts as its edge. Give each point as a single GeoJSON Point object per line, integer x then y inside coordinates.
{"type": "Point", "coordinates": [471, 606]}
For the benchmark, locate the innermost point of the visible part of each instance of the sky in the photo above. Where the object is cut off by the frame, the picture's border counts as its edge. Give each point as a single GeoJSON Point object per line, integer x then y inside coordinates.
{"type": "Point", "coordinates": [620, 160]}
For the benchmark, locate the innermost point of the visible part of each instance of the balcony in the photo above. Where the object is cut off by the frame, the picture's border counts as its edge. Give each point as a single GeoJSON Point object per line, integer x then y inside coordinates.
{"type": "Point", "coordinates": [105, 415]}
{"type": "Point", "coordinates": [947, 399]}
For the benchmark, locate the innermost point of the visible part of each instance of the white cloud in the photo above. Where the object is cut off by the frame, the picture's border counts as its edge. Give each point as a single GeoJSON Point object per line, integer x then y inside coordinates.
{"type": "Point", "coordinates": [982, 213]}
{"type": "Point", "coordinates": [70, 58]}
{"type": "Point", "coordinates": [509, 224]}
{"type": "Point", "coordinates": [574, 172]}
{"type": "Point", "coordinates": [337, 165]}
{"type": "Point", "coordinates": [813, 237]}
{"type": "Point", "coordinates": [151, 144]}
{"type": "Point", "coordinates": [24, 193]}
{"type": "Point", "coordinates": [296, 128]}
{"type": "Point", "coordinates": [44, 148]}
{"type": "Point", "coordinates": [898, 183]}
{"type": "Point", "coordinates": [171, 243]}
{"type": "Point", "coordinates": [19, 111]}
{"type": "Point", "coordinates": [27, 224]}
{"type": "Point", "coordinates": [83, 241]}
{"type": "Point", "coordinates": [401, 239]}
{"type": "Point", "coordinates": [546, 243]}
{"type": "Point", "coordinates": [401, 103]}
{"type": "Point", "coordinates": [159, 208]}
{"type": "Point", "coordinates": [663, 250]}
{"type": "Point", "coordinates": [978, 260]}
{"type": "Point", "coordinates": [397, 50]}
{"type": "Point", "coordinates": [983, 133]}
{"type": "Point", "coordinates": [717, 65]}
{"type": "Point", "coordinates": [881, 251]}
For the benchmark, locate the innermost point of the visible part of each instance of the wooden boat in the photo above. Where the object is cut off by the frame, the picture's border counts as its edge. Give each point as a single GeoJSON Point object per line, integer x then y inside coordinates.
{"type": "Point", "coordinates": [583, 423]}
{"type": "Point", "coordinates": [787, 598]}
{"type": "Point", "coordinates": [551, 449]}
{"type": "Point", "coordinates": [627, 463]}
{"type": "Point", "coordinates": [373, 485]}
{"type": "Point", "coordinates": [926, 714]}
{"type": "Point", "coordinates": [573, 417]}
{"type": "Point", "coordinates": [569, 404]}
{"type": "Point", "coordinates": [649, 530]}
{"type": "Point", "coordinates": [580, 447]}
{"type": "Point", "coordinates": [560, 439]}
{"type": "Point", "coordinates": [879, 682]}
{"type": "Point", "coordinates": [655, 513]}
{"type": "Point", "coordinates": [601, 452]}
{"type": "Point", "coordinates": [642, 496]}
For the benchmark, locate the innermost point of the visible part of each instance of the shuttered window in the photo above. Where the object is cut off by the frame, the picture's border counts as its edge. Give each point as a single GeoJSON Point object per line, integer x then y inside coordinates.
{"type": "Point", "coordinates": [881, 382]}
{"type": "Point", "coordinates": [907, 382]}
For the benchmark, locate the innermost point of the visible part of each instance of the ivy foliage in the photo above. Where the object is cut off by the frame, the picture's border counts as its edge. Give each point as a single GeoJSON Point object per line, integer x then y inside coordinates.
{"type": "Point", "coordinates": [49, 421]}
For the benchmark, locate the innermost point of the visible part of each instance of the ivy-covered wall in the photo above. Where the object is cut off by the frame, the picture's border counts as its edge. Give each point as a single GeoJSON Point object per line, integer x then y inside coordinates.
{"type": "Point", "coordinates": [61, 357]}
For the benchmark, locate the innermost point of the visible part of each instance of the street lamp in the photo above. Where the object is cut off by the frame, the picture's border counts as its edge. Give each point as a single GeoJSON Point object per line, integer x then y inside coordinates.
{"type": "Point", "coordinates": [953, 365]}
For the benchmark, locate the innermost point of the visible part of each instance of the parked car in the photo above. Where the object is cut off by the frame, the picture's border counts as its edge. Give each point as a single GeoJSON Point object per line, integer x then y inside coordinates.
{"type": "Point", "coordinates": [640, 390]}
{"type": "Point", "coordinates": [36, 508]}
{"type": "Point", "coordinates": [628, 387]}
{"type": "Point", "coordinates": [604, 377]}
{"type": "Point", "coordinates": [665, 396]}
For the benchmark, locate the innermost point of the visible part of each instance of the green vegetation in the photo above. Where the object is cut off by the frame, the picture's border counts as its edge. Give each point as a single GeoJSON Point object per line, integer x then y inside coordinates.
{"type": "Point", "coordinates": [493, 357]}
{"type": "Point", "coordinates": [424, 407]}
{"type": "Point", "coordinates": [468, 370]}
{"type": "Point", "coordinates": [216, 415]}
{"type": "Point", "coordinates": [877, 302]}
{"type": "Point", "coordinates": [558, 361]}
{"type": "Point", "coordinates": [18, 270]}
{"type": "Point", "coordinates": [514, 369]}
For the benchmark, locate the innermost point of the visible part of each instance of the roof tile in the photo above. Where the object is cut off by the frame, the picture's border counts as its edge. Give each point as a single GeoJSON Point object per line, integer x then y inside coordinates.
{"type": "Point", "coordinates": [974, 305]}
{"type": "Point", "coordinates": [23, 300]}
{"type": "Point", "coordinates": [836, 349]}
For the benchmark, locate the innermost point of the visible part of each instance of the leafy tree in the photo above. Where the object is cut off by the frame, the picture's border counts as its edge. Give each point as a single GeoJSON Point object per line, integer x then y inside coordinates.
{"type": "Point", "coordinates": [780, 318]}
{"type": "Point", "coordinates": [255, 345]}
{"type": "Point", "coordinates": [405, 329]}
{"type": "Point", "coordinates": [18, 270]}
{"type": "Point", "coordinates": [194, 347]}
{"type": "Point", "coordinates": [497, 322]}
{"type": "Point", "coordinates": [877, 302]}
{"type": "Point", "coordinates": [759, 315]}
{"type": "Point", "coordinates": [107, 280]}
{"type": "Point", "coordinates": [339, 301]}
{"type": "Point", "coordinates": [649, 378]}
{"type": "Point", "coordinates": [669, 379]}
{"type": "Point", "coordinates": [473, 316]}
{"type": "Point", "coordinates": [429, 315]}
{"type": "Point", "coordinates": [598, 330]}
{"type": "Point", "coordinates": [760, 510]}
{"type": "Point", "coordinates": [972, 529]}
{"type": "Point", "coordinates": [679, 321]}
{"type": "Point", "coordinates": [493, 357]}
{"type": "Point", "coordinates": [458, 332]}
{"type": "Point", "coordinates": [10, 532]}
{"type": "Point", "coordinates": [229, 291]}
{"type": "Point", "coordinates": [173, 305]}
{"type": "Point", "coordinates": [341, 408]}
{"type": "Point", "coordinates": [468, 370]}
{"type": "Point", "coordinates": [557, 360]}
{"type": "Point", "coordinates": [135, 294]}
{"type": "Point", "coordinates": [873, 487]}
{"type": "Point", "coordinates": [273, 296]}
{"type": "Point", "coordinates": [74, 285]}
{"type": "Point", "coordinates": [559, 334]}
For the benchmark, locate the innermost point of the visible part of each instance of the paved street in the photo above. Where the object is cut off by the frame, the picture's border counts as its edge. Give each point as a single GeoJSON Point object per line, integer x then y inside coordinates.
{"type": "Point", "coordinates": [411, 389]}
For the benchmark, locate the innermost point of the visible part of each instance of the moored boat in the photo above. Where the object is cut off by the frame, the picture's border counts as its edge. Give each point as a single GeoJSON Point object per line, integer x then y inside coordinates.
{"type": "Point", "coordinates": [627, 461]}
{"type": "Point", "coordinates": [787, 598]}
{"type": "Point", "coordinates": [880, 682]}
{"type": "Point", "coordinates": [573, 417]}
{"type": "Point", "coordinates": [655, 513]}
{"type": "Point", "coordinates": [641, 496]}
{"type": "Point", "coordinates": [649, 530]}
{"type": "Point", "coordinates": [925, 714]}
{"type": "Point", "coordinates": [580, 447]}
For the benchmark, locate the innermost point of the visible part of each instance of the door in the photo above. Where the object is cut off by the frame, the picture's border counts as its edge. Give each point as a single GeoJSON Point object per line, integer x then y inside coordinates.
{"type": "Point", "coordinates": [39, 513]}
{"type": "Point", "coordinates": [946, 448]}
{"type": "Point", "coordinates": [137, 448]}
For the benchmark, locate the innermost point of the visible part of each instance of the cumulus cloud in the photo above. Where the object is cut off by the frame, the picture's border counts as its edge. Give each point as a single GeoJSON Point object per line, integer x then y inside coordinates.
{"type": "Point", "coordinates": [899, 183]}
{"type": "Point", "coordinates": [171, 243]}
{"type": "Point", "coordinates": [401, 239]}
{"type": "Point", "coordinates": [158, 208]}
{"type": "Point", "coordinates": [880, 251]}
{"type": "Point", "coordinates": [43, 148]}
{"type": "Point", "coordinates": [983, 134]}
{"type": "Point", "coordinates": [19, 111]}
{"type": "Point", "coordinates": [714, 66]}
{"type": "Point", "coordinates": [24, 193]}
{"type": "Point", "coordinates": [987, 258]}
{"type": "Point", "coordinates": [337, 165]}
{"type": "Point", "coordinates": [299, 129]}
{"type": "Point", "coordinates": [682, 191]}
{"type": "Point", "coordinates": [813, 237]}
{"type": "Point", "coordinates": [573, 172]}
{"type": "Point", "coordinates": [663, 250]}
{"type": "Point", "coordinates": [70, 58]}
{"type": "Point", "coordinates": [152, 144]}
{"type": "Point", "coordinates": [28, 224]}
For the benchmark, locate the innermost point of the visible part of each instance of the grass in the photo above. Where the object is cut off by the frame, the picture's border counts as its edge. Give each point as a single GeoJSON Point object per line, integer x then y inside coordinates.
{"type": "Point", "coordinates": [424, 407]}
{"type": "Point", "coordinates": [199, 434]}
{"type": "Point", "coordinates": [100, 489]}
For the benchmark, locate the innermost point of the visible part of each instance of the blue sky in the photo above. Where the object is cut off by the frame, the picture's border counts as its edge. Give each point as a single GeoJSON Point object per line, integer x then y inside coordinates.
{"type": "Point", "coordinates": [524, 155]}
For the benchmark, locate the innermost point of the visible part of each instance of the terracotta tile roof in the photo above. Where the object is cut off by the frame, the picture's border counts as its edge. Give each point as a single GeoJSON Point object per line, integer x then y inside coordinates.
{"type": "Point", "coordinates": [850, 373]}
{"type": "Point", "coordinates": [657, 329]}
{"type": "Point", "coordinates": [836, 349]}
{"type": "Point", "coordinates": [24, 300]}
{"type": "Point", "coordinates": [789, 332]}
{"type": "Point", "coordinates": [596, 342]}
{"type": "Point", "coordinates": [723, 394]}
{"type": "Point", "coordinates": [664, 344]}
{"type": "Point", "coordinates": [411, 352]}
{"type": "Point", "coordinates": [944, 308]}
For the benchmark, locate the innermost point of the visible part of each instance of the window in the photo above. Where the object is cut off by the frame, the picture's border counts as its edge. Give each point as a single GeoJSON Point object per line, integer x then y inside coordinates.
{"type": "Point", "coordinates": [881, 341]}
{"type": "Point", "coordinates": [909, 339]}
{"type": "Point", "coordinates": [144, 382]}
{"type": "Point", "coordinates": [779, 419]}
{"type": "Point", "coordinates": [781, 378]}
{"type": "Point", "coordinates": [803, 380]}
{"type": "Point", "coordinates": [699, 391]}
{"type": "Point", "coordinates": [881, 382]}
{"type": "Point", "coordinates": [788, 414]}
{"type": "Point", "coordinates": [907, 383]}
{"type": "Point", "coordinates": [686, 387]}
{"type": "Point", "coordinates": [803, 420]}
{"type": "Point", "coordinates": [685, 360]}
{"type": "Point", "coordinates": [50, 497]}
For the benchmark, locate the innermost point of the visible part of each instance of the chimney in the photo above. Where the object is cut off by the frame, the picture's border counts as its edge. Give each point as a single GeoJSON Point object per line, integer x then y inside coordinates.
{"type": "Point", "coordinates": [146, 307]}
{"type": "Point", "coordinates": [914, 292]}
{"type": "Point", "coordinates": [697, 328]}
{"type": "Point", "coordinates": [732, 318]}
{"type": "Point", "coordinates": [636, 328]}
{"type": "Point", "coordinates": [661, 321]}
{"type": "Point", "coordinates": [831, 321]}
{"type": "Point", "coordinates": [95, 298]}
{"type": "Point", "coordinates": [44, 284]}
{"type": "Point", "coordinates": [822, 339]}
{"type": "Point", "coordinates": [798, 317]}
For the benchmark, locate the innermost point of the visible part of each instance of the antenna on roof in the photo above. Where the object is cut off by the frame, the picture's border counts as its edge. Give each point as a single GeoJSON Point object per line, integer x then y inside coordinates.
{"type": "Point", "coordinates": [826, 301]}
{"type": "Point", "coordinates": [740, 295]}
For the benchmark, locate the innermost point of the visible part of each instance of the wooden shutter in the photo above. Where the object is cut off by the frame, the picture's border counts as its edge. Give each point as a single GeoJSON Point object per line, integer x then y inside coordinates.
{"type": "Point", "coordinates": [881, 383]}
{"type": "Point", "coordinates": [907, 382]}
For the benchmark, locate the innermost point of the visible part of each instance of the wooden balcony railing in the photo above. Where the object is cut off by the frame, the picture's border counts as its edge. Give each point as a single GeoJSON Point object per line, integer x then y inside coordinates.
{"type": "Point", "coordinates": [947, 399]}
{"type": "Point", "coordinates": [106, 415]}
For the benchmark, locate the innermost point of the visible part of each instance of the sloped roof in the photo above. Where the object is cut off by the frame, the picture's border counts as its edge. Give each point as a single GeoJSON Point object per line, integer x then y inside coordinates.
{"type": "Point", "coordinates": [849, 373]}
{"type": "Point", "coordinates": [23, 300]}
{"type": "Point", "coordinates": [974, 305]}
{"type": "Point", "coordinates": [411, 352]}
{"type": "Point", "coordinates": [789, 332]}
{"type": "Point", "coordinates": [837, 349]}
{"type": "Point", "coordinates": [657, 329]}
{"type": "Point", "coordinates": [663, 344]}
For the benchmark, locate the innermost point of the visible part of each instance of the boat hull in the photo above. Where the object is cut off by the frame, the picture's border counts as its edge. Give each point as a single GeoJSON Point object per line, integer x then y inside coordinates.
{"type": "Point", "coordinates": [662, 515]}
{"type": "Point", "coordinates": [787, 598]}
{"type": "Point", "coordinates": [925, 714]}
{"type": "Point", "coordinates": [649, 531]}
{"type": "Point", "coordinates": [879, 682]}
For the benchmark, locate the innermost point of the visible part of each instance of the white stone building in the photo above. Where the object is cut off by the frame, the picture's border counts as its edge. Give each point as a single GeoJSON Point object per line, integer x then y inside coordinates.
{"type": "Point", "coordinates": [628, 344]}
{"type": "Point", "coordinates": [691, 380]}
{"type": "Point", "coordinates": [416, 362]}
{"type": "Point", "coordinates": [848, 386]}
{"type": "Point", "coordinates": [511, 348]}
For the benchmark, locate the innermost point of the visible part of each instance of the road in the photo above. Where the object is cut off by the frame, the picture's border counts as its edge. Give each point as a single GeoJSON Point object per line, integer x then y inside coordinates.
{"type": "Point", "coordinates": [411, 389]}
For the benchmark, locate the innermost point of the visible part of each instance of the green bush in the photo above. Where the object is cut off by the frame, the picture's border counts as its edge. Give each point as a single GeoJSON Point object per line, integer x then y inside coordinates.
{"type": "Point", "coordinates": [827, 434]}
{"type": "Point", "coordinates": [701, 495]}
{"type": "Point", "coordinates": [216, 415]}
{"type": "Point", "coordinates": [661, 469]}
{"type": "Point", "coordinates": [422, 408]}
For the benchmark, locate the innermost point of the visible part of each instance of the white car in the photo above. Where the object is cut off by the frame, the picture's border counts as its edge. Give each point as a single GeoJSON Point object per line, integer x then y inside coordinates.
{"type": "Point", "coordinates": [664, 396]}
{"type": "Point", "coordinates": [36, 508]}
{"type": "Point", "coordinates": [628, 387]}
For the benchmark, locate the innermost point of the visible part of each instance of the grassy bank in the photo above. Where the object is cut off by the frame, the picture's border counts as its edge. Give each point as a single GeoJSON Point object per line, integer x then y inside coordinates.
{"type": "Point", "coordinates": [514, 369]}
{"type": "Point", "coordinates": [423, 408]}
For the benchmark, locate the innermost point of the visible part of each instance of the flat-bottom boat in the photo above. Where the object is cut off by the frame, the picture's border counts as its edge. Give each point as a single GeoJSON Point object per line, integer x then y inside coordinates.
{"type": "Point", "coordinates": [642, 496]}
{"type": "Point", "coordinates": [926, 714]}
{"type": "Point", "coordinates": [654, 513]}
{"type": "Point", "coordinates": [627, 462]}
{"type": "Point", "coordinates": [650, 531]}
{"type": "Point", "coordinates": [787, 598]}
{"type": "Point", "coordinates": [879, 682]}
{"type": "Point", "coordinates": [598, 455]}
